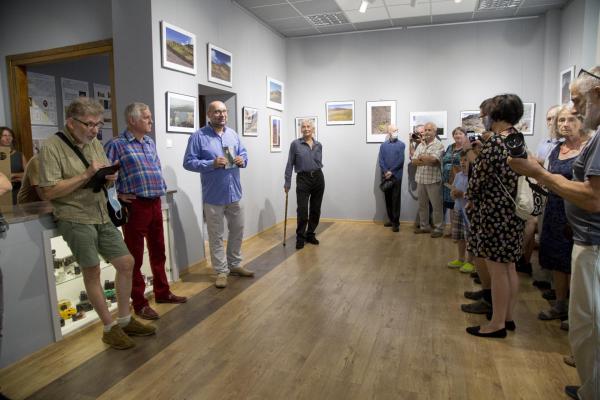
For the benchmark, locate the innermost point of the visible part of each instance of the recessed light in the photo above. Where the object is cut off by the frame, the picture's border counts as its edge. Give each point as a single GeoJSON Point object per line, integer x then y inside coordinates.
{"type": "Point", "coordinates": [458, 1]}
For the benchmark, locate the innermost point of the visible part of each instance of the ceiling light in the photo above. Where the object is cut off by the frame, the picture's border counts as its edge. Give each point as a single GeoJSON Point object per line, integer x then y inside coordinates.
{"type": "Point", "coordinates": [497, 4]}
{"type": "Point", "coordinates": [364, 5]}
{"type": "Point", "coordinates": [458, 1]}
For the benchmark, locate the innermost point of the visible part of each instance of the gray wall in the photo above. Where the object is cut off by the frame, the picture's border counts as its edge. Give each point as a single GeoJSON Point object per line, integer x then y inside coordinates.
{"type": "Point", "coordinates": [449, 68]}
{"type": "Point", "coordinates": [579, 32]}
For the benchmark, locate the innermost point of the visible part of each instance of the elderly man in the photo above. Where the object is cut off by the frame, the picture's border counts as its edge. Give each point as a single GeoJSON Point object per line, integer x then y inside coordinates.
{"type": "Point", "coordinates": [306, 158]}
{"type": "Point", "coordinates": [216, 152]}
{"type": "Point", "coordinates": [391, 163]}
{"type": "Point", "coordinates": [82, 216]}
{"type": "Point", "coordinates": [582, 205]}
{"type": "Point", "coordinates": [426, 158]}
{"type": "Point", "coordinates": [140, 186]}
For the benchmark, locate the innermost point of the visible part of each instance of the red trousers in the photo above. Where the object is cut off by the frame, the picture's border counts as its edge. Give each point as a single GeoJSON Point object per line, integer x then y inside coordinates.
{"type": "Point", "coordinates": [145, 222]}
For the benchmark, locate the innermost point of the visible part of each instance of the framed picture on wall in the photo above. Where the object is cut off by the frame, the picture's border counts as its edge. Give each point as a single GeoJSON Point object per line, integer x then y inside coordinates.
{"type": "Point", "coordinates": [470, 121]}
{"type": "Point", "coordinates": [275, 133]}
{"type": "Point", "coordinates": [340, 112]}
{"type": "Point", "coordinates": [250, 123]}
{"type": "Point", "coordinates": [566, 77]}
{"type": "Point", "coordinates": [178, 49]}
{"type": "Point", "coordinates": [525, 125]}
{"type": "Point", "coordinates": [275, 94]}
{"type": "Point", "coordinates": [439, 118]}
{"type": "Point", "coordinates": [380, 115]}
{"type": "Point", "coordinates": [182, 113]}
{"type": "Point", "coordinates": [315, 124]}
{"type": "Point", "coordinates": [220, 65]}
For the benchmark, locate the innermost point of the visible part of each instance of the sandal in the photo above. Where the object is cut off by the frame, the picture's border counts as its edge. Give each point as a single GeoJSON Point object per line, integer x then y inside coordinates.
{"type": "Point", "coordinates": [553, 313]}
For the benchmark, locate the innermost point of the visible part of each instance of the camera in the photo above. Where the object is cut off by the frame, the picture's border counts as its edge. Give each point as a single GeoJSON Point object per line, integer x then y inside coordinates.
{"type": "Point", "coordinates": [515, 143]}
{"type": "Point", "coordinates": [415, 137]}
{"type": "Point", "coordinates": [473, 137]}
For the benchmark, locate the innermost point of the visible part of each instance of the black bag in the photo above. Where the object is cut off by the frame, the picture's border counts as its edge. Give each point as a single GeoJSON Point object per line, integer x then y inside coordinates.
{"type": "Point", "coordinates": [387, 184]}
{"type": "Point", "coordinates": [117, 219]}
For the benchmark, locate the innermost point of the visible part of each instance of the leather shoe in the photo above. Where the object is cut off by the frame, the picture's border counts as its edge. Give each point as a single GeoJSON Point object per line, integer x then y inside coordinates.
{"type": "Point", "coordinates": [312, 240]}
{"type": "Point", "coordinates": [387, 224]}
{"type": "Point", "coordinates": [299, 245]}
{"type": "Point", "coordinates": [509, 325]}
{"type": "Point", "coordinates": [171, 298]}
{"type": "Point", "coordinates": [571, 391]}
{"type": "Point", "coordinates": [147, 312]}
{"type": "Point", "coordinates": [396, 228]}
{"type": "Point", "coordinates": [476, 331]}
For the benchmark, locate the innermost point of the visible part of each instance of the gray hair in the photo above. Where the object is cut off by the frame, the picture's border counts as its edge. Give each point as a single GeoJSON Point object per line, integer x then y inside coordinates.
{"type": "Point", "coordinates": [134, 110]}
{"type": "Point", "coordinates": [586, 82]}
{"type": "Point", "coordinates": [310, 122]}
{"type": "Point", "coordinates": [84, 106]}
{"type": "Point", "coordinates": [569, 108]}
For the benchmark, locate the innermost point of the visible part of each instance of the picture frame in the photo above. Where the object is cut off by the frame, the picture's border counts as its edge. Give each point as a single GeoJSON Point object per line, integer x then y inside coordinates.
{"type": "Point", "coordinates": [220, 65]}
{"type": "Point", "coordinates": [566, 77]}
{"type": "Point", "coordinates": [470, 121]}
{"type": "Point", "coordinates": [339, 112]}
{"type": "Point", "coordinates": [249, 121]}
{"type": "Point", "coordinates": [182, 113]}
{"type": "Point", "coordinates": [275, 94]}
{"type": "Point", "coordinates": [526, 124]}
{"type": "Point", "coordinates": [178, 48]}
{"type": "Point", "coordinates": [275, 134]}
{"type": "Point", "coordinates": [298, 124]}
{"type": "Point", "coordinates": [439, 118]}
{"type": "Point", "coordinates": [380, 115]}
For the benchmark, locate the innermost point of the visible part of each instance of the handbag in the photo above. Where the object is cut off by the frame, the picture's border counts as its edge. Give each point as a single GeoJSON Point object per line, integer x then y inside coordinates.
{"type": "Point", "coordinates": [523, 201]}
{"type": "Point", "coordinates": [117, 218]}
{"type": "Point", "coordinates": [387, 184]}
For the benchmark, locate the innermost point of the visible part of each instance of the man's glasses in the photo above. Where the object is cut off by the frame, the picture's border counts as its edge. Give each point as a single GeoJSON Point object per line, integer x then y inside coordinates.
{"type": "Point", "coordinates": [90, 125]}
{"type": "Point", "coordinates": [583, 71]}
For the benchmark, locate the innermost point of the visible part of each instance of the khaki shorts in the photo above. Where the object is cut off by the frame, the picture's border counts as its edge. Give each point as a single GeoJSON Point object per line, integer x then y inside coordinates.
{"type": "Point", "coordinates": [86, 241]}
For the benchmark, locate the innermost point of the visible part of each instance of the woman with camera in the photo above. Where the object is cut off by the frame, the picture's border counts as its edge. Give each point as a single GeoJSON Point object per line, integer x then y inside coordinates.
{"type": "Point", "coordinates": [555, 244]}
{"type": "Point", "coordinates": [497, 233]}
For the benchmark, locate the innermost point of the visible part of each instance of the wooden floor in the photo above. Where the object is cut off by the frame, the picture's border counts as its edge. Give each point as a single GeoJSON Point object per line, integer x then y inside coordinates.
{"type": "Point", "coordinates": [368, 314]}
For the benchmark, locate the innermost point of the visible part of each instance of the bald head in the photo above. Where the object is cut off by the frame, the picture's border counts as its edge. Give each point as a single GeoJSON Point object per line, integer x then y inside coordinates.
{"type": "Point", "coordinates": [429, 132]}
{"type": "Point", "coordinates": [217, 115]}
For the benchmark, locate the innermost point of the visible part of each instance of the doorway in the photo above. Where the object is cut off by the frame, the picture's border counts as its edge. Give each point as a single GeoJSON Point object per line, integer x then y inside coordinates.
{"type": "Point", "coordinates": [208, 94]}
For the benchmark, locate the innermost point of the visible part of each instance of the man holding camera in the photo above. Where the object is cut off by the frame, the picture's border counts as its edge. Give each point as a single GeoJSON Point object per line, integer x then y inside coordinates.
{"type": "Point", "coordinates": [427, 158]}
{"type": "Point", "coordinates": [582, 205]}
{"type": "Point", "coordinates": [391, 163]}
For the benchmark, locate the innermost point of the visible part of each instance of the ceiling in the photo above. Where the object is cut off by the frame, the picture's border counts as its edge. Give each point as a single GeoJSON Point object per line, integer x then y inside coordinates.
{"type": "Point", "coordinates": [295, 18]}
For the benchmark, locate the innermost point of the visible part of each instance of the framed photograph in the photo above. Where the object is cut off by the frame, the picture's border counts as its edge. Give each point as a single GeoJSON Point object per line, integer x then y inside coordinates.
{"type": "Point", "coordinates": [470, 121]}
{"type": "Point", "coordinates": [380, 115]}
{"type": "Point", "coordinates": [340, 112]}
{"type": "Point", "coordinates": [300, 120]}
{"type": "Point", "coordinates": [275, 94]}
{"type": "Point", "coordinates": [566, 77]}
{"type": "Point", "coordinates": [525, 125]}
{"type": "Point", "coordinates": [275, 133]}
{"type": "Point", "coordinates": [220, 65]}
{"type": "Point", "coordinates": [250, 125]}
{"type": "Point", "coordinates": [182, 113]}
{"type": "Point", "coordinates": [439, 118]}
{"type": "Point", "coordinates": [178, 49]}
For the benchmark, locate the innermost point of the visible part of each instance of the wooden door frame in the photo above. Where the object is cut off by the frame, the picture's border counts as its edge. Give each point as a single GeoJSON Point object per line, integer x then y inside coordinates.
{"type": "Point", "coordinates": [16, 66]}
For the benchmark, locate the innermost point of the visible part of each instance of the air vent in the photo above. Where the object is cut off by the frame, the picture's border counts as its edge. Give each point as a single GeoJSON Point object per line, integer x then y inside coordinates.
{"type": "Point", "coordinates": [327, 19]}
{"type": "Point", "coordinates": [497, 4]}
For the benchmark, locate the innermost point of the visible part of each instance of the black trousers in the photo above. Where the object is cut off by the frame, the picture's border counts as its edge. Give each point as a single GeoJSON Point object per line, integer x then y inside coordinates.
{"type": "Point", "coordinates": [309, 192]}
{"type": "Point", "coordinates": [393, 201]}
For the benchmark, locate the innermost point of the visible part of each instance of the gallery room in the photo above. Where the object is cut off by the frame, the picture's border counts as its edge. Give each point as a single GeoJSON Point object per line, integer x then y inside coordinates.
{"type": "Point", "coordinates": [308, 221]}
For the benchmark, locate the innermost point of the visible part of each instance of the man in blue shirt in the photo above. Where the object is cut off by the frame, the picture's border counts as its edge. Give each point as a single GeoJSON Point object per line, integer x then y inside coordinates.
{"type": "Point", "coordinates": [391, 163]}
{"type": "Point", "coordinates": [217, 153]}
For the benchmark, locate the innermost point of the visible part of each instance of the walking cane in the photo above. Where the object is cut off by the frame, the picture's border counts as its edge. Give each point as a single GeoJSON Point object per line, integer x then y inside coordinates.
{"type": "Point", "coordinates": [285, 220]}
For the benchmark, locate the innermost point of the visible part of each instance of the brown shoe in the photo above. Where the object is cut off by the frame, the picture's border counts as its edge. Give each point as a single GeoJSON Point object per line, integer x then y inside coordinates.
{"type": "Point", "coordinates": [117, 339]}
{"type": "Point", "coordinates": [136, 328]}
{"type": "Point", "coordinates": [171, 298]}
{"type": "Point", "coordinates": [570, 361]}
{"type": "Point", "coordinates": [221, 281]}
{"type": "Point", "coordinates": [241, 271]}
{"type": "Point", "coordinates": [147, 312]}
{"type": "Point", "coordinates": [436, 234]}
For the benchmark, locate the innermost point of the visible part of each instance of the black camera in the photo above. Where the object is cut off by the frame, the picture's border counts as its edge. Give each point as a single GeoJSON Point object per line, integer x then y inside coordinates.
{"type": "Point", "coordinates": [415, 137]}
{"type": "Point", "coordinates": [515, 143]}
{"type": "Point", "coordinates": [474, 137]}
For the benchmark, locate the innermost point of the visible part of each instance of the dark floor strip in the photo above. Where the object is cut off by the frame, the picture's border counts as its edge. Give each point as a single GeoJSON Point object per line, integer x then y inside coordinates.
{"type": "Point", "coordinates": [101, 372]}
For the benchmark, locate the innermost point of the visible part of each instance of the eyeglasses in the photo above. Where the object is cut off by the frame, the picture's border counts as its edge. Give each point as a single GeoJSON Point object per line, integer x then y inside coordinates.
{"type": "Point", "coordinates": [583, 71]}
{"type": "Point", "coordinates": [90, 125]}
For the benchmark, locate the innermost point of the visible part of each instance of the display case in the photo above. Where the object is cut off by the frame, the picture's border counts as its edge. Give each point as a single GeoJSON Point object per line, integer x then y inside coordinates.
{"type": "Point", "coordinates": [72, 310]}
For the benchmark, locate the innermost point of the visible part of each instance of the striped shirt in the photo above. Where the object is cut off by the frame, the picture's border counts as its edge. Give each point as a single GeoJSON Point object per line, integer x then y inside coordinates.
{"type": "Point", "coordinates": [140, 172]}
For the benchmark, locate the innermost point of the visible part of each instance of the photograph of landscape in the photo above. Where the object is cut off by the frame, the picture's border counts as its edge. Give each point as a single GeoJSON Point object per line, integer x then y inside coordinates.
{"type": "Point", "coordinates": [274, 94]}
{"type": "Point", "coordinates": [525, 125]}
{"type": "Point", "coordinates": [181, 113]}
{"type": "Point", "coordinates": [179, 49]}
{"type": "Point", "coordinates": [471, 122]}
{"type": "Point", "coordinates": [250, 122]}
{"type": "Point", "coordinates": [380, 115]}
{"type": "Point", "coordinates": [275, 134]}
{"type": "Point", "coordinates": [566, 77]}
{"type": "Point", "coordinates": [219, 65]}
{"type": "Point", "coordinates": [340, 112]}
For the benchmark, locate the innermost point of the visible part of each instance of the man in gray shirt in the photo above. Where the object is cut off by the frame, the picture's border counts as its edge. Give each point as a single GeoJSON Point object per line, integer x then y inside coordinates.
{"type": "Point", "coordinates": [305, 157]}
{"type": "Point", "coordinates": [582, 205]}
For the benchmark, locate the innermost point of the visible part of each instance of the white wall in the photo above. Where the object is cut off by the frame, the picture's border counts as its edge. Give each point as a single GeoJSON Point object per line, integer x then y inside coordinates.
{"type": "Point", "coordinates": [449, 68]}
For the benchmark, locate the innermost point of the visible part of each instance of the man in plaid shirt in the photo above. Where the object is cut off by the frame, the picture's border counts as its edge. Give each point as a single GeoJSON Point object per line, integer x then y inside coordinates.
{"type": "Point", "coordinates": [140, 185]}
{"type": "Point", "coordinates": [427, 158]}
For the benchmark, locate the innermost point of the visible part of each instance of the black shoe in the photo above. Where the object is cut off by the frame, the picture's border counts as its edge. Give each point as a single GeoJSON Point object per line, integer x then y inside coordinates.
{"type": "Point", "coordinates": [475, 331]}
{"type": "Point", "coordinates": [312, 240]}
{"type": "Point", "coordinates": [477, 280]}
{"type": "Point", "coordinates": [509, 325]}
{"type": "Point", "coordinates": [475, 295]}
{"type": "Point", "coordinates": [396, 228]}
{"type": "Point", "coordinates": [388, 224]}
{"type": "Point", "coordinates": [549, 294]}
{"type": "Point", "coordinates": [542, 285]}
{"type": "Point", "coordinates": [299, 245]}
{"type": "Point", "coordinates": [523, 267]}
{"type": "Point", "coordinates": [571, 391]}
{"type": "Point", "coordinates": [474, 275]}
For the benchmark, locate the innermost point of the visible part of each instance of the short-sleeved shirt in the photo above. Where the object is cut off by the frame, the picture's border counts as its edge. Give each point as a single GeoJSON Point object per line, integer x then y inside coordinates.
{"type": "Point", "coordinates": [31, 179]}
{"type": "Point", "coordinates": [427, 174]}
{"type": "Point", "coordinates": [461, 183]}
{"type": "Point", "coordinates": [585, 225]}
{"type": "Point", "coordinates": [58, 162]}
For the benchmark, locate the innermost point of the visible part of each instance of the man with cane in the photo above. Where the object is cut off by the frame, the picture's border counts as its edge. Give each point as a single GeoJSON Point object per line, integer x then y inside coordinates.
{"type": "Point", "coordinates": [305, 157]}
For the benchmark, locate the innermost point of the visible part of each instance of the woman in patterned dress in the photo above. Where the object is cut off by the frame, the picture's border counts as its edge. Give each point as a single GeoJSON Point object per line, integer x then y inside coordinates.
{"type": "Point", "coordinates": [497, 232]}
